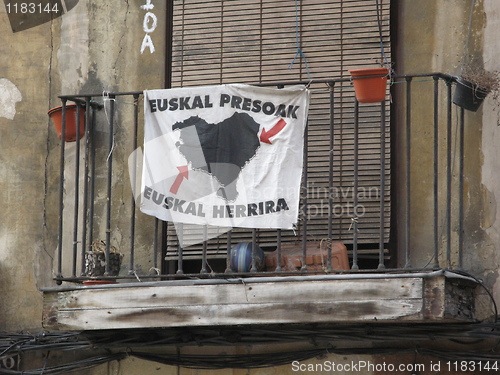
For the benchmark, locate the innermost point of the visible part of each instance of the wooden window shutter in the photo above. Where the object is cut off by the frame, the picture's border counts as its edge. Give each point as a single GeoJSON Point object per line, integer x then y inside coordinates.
{"type": "Point", "coordinates": [255, 41]}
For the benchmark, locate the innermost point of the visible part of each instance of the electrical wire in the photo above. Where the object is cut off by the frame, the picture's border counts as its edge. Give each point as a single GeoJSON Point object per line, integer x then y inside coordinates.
{"type": "Point", "coordinates": [68, 367]}
{"type": "Point", "coordinates": [221, 361]}
{"type": "Point", "coordinates": [480, 283]}
{"type": "Point", "coordinates": [324, 338]}
{"type": "Point", "coordinates": [323, 334]}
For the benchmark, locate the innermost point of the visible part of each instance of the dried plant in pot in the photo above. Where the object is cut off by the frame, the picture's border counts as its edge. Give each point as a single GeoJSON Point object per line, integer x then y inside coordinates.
{"type": "Point", "coordinates": [95, 260]}
{"type": "Point", "coordinates": [473, 85]}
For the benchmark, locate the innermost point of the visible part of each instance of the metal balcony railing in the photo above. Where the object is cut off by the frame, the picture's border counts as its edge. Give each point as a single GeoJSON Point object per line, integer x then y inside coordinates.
{"type": "Point", "coordinates": [413, 158]}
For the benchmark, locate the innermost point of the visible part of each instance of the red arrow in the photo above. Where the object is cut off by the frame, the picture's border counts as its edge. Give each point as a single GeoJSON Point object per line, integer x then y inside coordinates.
{"type": "Point", "coordinates": [183, 174]}
{"type": "Point", "coordinates": [265, 135]}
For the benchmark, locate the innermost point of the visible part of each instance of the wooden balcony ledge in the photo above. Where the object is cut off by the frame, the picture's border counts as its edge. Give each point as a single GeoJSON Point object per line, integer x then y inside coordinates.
{"type": "Point", "coordinates": [418, 297]}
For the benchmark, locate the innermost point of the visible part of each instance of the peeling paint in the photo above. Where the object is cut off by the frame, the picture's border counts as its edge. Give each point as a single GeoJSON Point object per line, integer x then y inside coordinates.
{"type": "Point", "coordinates": [9, 96]}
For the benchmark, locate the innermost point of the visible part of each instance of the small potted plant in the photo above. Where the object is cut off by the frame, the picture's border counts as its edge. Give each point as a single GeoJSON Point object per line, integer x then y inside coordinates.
{"type": "Point", "coordinates": [473, 85]}
{"type": "Point", "coordinates": [95, 262]}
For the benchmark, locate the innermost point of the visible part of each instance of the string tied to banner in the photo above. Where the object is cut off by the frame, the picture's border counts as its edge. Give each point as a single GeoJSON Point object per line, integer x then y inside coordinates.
{"type": "Point", "coordinates": [354, 220]}
{"type": "Point", "coordinates": [107, 98]}
{"type": "Point", "coordinates": [299, 52]}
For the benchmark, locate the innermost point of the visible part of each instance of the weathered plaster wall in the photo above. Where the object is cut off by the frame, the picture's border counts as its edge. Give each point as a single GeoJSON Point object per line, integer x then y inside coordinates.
{"type": "Point", "coordinates": [435, 36]}
{"type": "Point", "coordinates": [95, 47]}
{"type": "Point", "coordinates": [423, 44]}
{"type": "Point", "coordinates": [490, 178]}
{"type": "Point", "coordinates": [24, 91]}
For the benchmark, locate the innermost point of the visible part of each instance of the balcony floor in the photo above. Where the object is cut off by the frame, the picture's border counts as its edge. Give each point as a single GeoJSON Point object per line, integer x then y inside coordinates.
{"type": "Point", "coordinates": [438, 296]}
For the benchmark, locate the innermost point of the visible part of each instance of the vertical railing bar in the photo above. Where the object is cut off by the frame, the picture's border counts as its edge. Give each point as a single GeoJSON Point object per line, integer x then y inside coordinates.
{"type": "Point", "coordinates": [254, 251]}
{"type": "Point", "coordinates": [134, 178]}
{"type": "Point", "coordinates": [408, 172]}
{"type": "Point", "coordinates": [278, 251]}
{"type": "Point", "coordinates": [228, 252]}
{"type": "Point", "coordinates": [341, 140]}
{"type": "Point", "coordinates": [278, 235]}
{"type": "Point", "coordinates": [61, 192]}
{"type": "Point", "coordinates": [436, 172]}
{"type": "Point", "coordinates": [92, 177]}
{"type": "Point", "coordinates": [449, 172]}
{"type": "Point", "coordinates": [85, 207]}
{"type": "Point", "coordinates": [155, 242]}
{"type": "Point", "coordinates": [257, 234]}
{"type": "Point", "coordinates": [76, 191]}
{"type": "Point", "coordinates": [461, 190]}
{"type": "Point", "coordinates": [179, 227]}
{"type": "Point", "coordinates": [305, 201]}
{"type": "Point", "coordinates": [354, 218]}
{"type": "Point", "coordinates": [331, 86]}
{"type": "Point", "coordinates": [381, 264]}
{"type": "Point", "coordinates": [109, 180]}
{"type": "Point", "coordinates": [204, 251]}
{"type": "Point", "coordinates": [163, 248]}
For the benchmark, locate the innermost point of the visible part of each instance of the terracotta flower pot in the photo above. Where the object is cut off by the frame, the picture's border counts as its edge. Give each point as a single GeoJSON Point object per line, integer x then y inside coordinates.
{"type": "Point", "coordinates": [370, 84]}
{"type": "Point", "coordinates": [71, 122]}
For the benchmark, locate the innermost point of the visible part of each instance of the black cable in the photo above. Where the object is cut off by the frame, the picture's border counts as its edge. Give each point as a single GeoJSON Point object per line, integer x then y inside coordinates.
{"type": "Point", "coordinates": [68, 367]}
{"type": "Point", "coordinates": [322, 336]}
{"type": "Point", "coordinates": [247, 336]}
{"type": "Point", "coordinates": [252, 361]}
{"type": "Point", "coordinates": [480, 282]}
{"type": "Point", "coordinates": [221, 361]}
{"type": "Point", "coordinates": [260, 360]}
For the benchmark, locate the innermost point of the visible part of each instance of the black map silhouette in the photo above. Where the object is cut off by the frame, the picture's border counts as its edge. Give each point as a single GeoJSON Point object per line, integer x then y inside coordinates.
{"type": "Point", "coordinates": [226, 148]}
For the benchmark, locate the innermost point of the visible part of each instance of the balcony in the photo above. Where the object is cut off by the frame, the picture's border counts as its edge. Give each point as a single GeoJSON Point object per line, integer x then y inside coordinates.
{"type": "Point", "coordinates": [338, 266]}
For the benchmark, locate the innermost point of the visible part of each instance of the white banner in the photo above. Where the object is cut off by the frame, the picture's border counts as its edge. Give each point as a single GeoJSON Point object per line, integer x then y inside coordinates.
{"type": "Point", "coordinates": [226, 156]}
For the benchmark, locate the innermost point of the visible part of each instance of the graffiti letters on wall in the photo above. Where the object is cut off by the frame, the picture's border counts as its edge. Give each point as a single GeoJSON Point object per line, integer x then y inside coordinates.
{"type": "Point", "coordinates": [148, 25]}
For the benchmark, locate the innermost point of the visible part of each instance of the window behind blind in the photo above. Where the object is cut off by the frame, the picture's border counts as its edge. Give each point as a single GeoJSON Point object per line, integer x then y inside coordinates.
{"type": "Point", "coordinates": [255, 41]}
